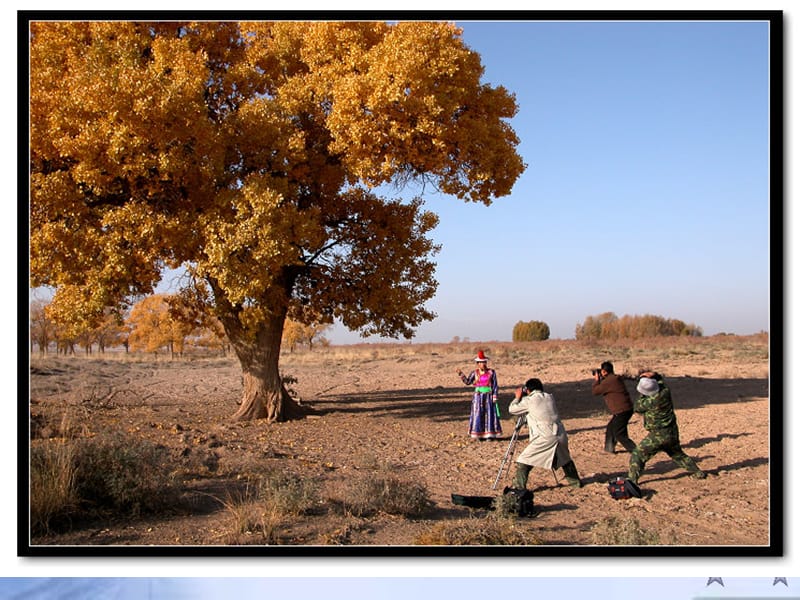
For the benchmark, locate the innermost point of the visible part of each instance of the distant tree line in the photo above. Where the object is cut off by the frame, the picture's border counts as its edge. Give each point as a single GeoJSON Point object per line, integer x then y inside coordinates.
{"type": "Point", "coordinates": [158, 324]}
{"type": "Point", "coordinates": [608, 326]}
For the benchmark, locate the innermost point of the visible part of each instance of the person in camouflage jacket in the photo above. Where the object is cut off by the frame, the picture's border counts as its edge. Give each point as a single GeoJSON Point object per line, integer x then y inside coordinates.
{"type": "Point", "coordinates": [661, 424]}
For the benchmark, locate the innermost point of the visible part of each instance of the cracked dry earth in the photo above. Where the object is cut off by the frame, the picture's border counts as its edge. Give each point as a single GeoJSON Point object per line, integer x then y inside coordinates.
{"type": "Point", "coordinates": [403, 406]}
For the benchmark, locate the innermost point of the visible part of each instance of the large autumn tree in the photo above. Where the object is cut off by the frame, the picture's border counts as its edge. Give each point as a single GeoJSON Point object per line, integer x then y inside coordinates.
{"type": "Point", "coordinates": [250, 154]}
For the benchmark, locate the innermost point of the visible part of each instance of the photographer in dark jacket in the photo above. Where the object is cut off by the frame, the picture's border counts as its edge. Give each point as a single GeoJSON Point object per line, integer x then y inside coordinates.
{"type": "Point", "coordinates": [612, 387]}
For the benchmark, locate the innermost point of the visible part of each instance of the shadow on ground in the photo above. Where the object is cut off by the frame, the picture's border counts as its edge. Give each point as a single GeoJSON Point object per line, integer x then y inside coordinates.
{"type": "Point", "coordinates": [574, 399]}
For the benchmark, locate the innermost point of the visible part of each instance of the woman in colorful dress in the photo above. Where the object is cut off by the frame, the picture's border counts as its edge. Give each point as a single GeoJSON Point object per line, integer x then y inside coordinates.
{"type": "Point", "coordinates": [484, 420]}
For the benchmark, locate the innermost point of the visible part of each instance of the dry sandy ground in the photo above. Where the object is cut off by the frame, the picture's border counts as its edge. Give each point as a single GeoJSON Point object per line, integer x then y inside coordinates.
{"type": "Point", "coordinates": [403, 406]}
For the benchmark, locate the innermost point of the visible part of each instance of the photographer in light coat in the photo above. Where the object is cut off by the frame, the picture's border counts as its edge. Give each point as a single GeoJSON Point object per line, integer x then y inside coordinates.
{"type": "Point", "coordinates": [548, 447]}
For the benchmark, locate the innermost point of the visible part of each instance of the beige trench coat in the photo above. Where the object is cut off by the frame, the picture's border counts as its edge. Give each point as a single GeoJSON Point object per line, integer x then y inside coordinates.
{"type": "Point", "coordinates": [548, 438]}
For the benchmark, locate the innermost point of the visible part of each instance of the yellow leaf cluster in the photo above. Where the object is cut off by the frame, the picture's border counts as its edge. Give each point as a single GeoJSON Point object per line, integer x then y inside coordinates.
{"type": "Point", "coordinates": [244, 149]}
{"type": "Point", "coordinates": [154, 327]}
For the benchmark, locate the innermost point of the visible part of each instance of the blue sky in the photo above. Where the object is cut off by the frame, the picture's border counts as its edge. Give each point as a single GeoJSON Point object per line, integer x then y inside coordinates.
{"type": "Point", "coordinates": [647, 188]}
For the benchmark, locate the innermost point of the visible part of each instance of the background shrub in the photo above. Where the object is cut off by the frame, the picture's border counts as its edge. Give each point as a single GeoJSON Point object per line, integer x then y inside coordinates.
{"type": "Point", "coordinates": [607, 326]}
{"type": "Point", "coordinates": [530, 331]}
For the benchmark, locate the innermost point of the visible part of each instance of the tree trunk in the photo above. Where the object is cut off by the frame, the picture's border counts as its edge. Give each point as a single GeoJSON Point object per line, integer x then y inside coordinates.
{"type": "Point", "coordinates": [263, 393]}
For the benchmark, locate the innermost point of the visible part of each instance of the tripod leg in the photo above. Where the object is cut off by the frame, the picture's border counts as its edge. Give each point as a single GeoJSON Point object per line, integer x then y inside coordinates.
{"type": "Point", "coordinates": [510, 450]}
{"type": "Point", "coordinates": [508, 453]}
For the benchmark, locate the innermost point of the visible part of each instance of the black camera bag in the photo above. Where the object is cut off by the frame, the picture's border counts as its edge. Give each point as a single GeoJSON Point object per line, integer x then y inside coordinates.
{"type": "Point", "coordinates": [473, 501]}
{"type": "Point", "coordinates": [519, 502]}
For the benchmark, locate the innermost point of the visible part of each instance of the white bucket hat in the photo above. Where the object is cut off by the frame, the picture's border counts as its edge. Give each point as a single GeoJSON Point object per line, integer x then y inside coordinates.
{"type": "Point", "coordinates": [647, 386]}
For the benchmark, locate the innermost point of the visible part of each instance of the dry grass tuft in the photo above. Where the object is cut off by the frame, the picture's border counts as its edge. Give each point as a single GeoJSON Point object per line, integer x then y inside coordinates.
{"type": "Point", "coordinates": [89, 476]}
{"type": "Point", "coordinates": [288, 494]}
{"type": "Point", "coordinates": [52, 485]}
{"type": "Point", "coordinates": [495, 529]}
{"type": "Point", "coordinates": [612, 531]}
{"type": "Point", "coordinates": [250, 522]}
{"type": "Point", "coordinates": [378, 492]}
{"type": "Point", "coordinates": [257, 515]}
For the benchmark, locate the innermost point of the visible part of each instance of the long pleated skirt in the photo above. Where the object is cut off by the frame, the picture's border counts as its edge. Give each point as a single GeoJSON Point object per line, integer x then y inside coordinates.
{"type": "Point", "coordinates": [484, 424]}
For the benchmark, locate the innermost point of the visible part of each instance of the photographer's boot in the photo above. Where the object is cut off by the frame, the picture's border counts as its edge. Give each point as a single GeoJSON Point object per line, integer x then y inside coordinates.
{"type": "Point", "coordinates": [521, 476]}
{"type": "Point", "coordinates": [571, 474]}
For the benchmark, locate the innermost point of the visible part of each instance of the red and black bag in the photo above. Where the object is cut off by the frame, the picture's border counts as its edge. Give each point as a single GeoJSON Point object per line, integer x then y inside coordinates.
{"type": "Point", "coordinates": [622, 488]}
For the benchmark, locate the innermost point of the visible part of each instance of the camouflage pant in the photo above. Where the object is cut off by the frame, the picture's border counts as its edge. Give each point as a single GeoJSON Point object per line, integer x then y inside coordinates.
{"type": "Point", "coordinates": [659, 440]}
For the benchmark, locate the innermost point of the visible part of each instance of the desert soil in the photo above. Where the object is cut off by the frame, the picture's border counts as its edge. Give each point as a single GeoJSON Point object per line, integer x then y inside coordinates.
{"type": "Point", "coordinates": [404, 407]}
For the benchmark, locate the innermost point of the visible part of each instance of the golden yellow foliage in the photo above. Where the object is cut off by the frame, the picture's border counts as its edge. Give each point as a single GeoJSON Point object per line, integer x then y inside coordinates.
{"type": "Point", "coordinates": [153, 327]}
{"type": "Point", "coordinates": [246, 152]}
{"type": "Point", "coordinates": [295, 333]}
{"type": "Point", "coordinates": [607, 326]}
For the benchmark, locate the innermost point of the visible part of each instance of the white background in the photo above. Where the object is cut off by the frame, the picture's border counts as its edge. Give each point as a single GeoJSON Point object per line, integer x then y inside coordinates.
{"type": "Point", "coordinates": [13, 566]}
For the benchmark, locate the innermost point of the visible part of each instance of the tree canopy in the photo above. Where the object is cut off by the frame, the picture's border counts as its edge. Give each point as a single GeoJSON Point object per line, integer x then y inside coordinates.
{"type": "Point", "coordinates": [250, 154]}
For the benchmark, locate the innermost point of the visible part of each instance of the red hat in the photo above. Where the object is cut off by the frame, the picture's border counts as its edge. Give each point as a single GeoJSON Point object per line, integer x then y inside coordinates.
{"type": "Point", "coordinates": [481, 357]}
